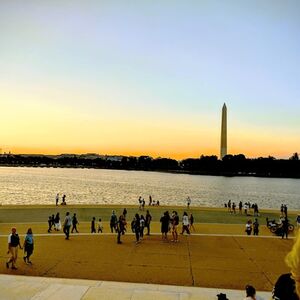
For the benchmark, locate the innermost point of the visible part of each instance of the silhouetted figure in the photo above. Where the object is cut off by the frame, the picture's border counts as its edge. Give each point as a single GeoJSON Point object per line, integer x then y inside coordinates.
{"type": "Point", "coordinates": [120, 228]}
{"type": "Point", "coordinates": [255, 227]}
{"type": "Point", "coordinates": [285, 228]}
{"type": "Point", "coordinates": [49, 224]}
{"type": "Point", "coordinates": [74, 223]}
{"type": "Point", "coordinates": [165, 220]}
{"type": "Point", "coordinates": [148, 221]}
{"type": "Point", "coordinates": [93, 225]}
{"type": "Point", "coordinates": [56, 199]}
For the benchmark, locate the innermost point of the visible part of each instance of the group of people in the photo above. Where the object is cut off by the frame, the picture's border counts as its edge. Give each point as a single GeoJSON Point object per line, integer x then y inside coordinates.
{"type": "Point", "coordinates": [14, 243]}
{"type": "Point", "coordinates": [151, 202]}
{"type": "Point", "coordinates": [138, 224]}
{"type": "Point", "coordinates": [247, 206]}
{"type": "Point", "coordinates": [252, 226]}
{"type": "Point", "coordinates": [171, 223]}
{"type": "Point", "coordinates": [63, 199]}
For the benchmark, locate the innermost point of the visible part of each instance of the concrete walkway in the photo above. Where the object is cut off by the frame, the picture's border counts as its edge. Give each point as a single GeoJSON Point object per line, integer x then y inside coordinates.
{"type": "Point", "coordinates": [40, 288]}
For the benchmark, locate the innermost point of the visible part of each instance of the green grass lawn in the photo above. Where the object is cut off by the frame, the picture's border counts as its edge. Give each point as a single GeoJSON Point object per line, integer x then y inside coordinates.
{"type": "Point", "coordinates": [27, 214]}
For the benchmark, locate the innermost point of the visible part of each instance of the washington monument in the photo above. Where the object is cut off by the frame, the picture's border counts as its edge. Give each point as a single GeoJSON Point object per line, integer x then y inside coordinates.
{"type": "Point", "coordinates": [223, 150]}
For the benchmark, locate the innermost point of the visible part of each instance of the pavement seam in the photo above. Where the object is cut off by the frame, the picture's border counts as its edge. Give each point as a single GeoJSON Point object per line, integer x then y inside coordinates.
{"type": "Point", "coordinates": [253, 261]}
{"type": "Point", "coordinates": [156, 234]}
{"type": "Point", "coordinates": [190, 260]}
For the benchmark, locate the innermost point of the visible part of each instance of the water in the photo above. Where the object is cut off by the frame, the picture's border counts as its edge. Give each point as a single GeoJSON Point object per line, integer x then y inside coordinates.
{"type": "Point", "coordinates": [94, 186]}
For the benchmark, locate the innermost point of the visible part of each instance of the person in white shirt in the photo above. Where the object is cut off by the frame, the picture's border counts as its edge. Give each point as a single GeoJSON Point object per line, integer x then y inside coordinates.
{"type": "Point", "coordinates": [185, 223]}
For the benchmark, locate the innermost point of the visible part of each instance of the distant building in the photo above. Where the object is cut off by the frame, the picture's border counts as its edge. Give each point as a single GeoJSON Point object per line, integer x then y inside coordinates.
{"type": "Point", "coordinates": [223, 150]}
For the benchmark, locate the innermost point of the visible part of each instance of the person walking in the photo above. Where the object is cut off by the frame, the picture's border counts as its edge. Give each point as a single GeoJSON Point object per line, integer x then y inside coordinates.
{"type": "Point", "coordinates": [148, 221]}
{"type": "Point", "coordinates": [74, 223]}
{"type": "Point", "coordinates": [185, 223]}
{"type": "Point", "coordinates": [67, 225]}
{"type": "Point", "coordinates": [28, 246]}
{"type": "Point", "coordinates": [113, 222]}
{"type": "Point", "coordinates": [13, 244]}
{"type": "Point", "coordinates": [93, 225]}
{"type": "Point", "coordinates": [57, 222]}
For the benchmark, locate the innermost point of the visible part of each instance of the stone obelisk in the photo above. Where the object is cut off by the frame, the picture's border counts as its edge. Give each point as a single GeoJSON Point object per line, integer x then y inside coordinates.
{"type": "Point", "coordinates": [223, 151]}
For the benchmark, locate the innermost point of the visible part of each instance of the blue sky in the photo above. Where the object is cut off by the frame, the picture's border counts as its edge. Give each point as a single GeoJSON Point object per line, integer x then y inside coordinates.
{"type": "Point", "coordinates": [150, 77]}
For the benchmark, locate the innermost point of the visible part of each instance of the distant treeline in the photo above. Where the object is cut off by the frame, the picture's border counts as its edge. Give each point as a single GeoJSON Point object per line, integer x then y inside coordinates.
{"type": "Point", "coordinates": [230, 165]}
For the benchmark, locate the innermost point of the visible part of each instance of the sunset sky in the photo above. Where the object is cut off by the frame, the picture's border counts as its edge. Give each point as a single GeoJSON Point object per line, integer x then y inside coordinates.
{"type": "Point", "coordinates": [150, 77]}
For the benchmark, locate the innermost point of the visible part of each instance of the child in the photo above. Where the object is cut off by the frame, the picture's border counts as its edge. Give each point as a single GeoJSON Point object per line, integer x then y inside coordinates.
{"type": "Point", "coordinates": [100, 227]}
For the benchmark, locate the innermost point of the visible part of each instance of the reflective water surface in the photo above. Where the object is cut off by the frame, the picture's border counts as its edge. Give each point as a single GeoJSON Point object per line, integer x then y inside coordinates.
{"type": "Point", "coordinates": [20, 185]}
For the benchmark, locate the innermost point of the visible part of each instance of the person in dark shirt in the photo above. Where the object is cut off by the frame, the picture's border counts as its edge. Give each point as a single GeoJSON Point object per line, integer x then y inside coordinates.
{"type": "Point", "coordinates": [255, 227]}
{"type": "Point", "coordinates": [13, 244]}
{"type": "Point", "coordinates": [120, 228]}
{"type": "Point", "coordinates": [148, 221]}
{"type": "Point", "coordinates": [49, 224]}
{"type": "Point", "coordinates": [93, 225]}
{"type": "Point", "coordinates": [74, 223]}
{"type": "Point", "coordinates": [285, 228]}
{"type": "Point", "coordinates": [165, 220]}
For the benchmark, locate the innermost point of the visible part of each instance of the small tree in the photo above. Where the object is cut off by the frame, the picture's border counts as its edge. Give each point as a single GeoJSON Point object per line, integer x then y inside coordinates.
{"type": "Point", "coordinates": [295, 156]}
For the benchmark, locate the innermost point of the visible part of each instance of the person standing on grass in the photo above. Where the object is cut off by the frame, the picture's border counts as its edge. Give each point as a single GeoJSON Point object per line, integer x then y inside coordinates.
{"type": "Point", "coordinates": [67, 225]}
{"type": "Point", "coordinates": [28, 246]}
{"type": "Point", "coordinates": [248, 229]}
{"type": "Point", "coordinates": [255, 227]}
{"type": "Point", "coordinates": [137, 228]}
{"type": "Point", "coordinates": [74, 223]}
{"type": "Point", "coordinates": [148, 221]}
{"type": "Point", "coordinates": [13, 244]}
{"type": "Point", "coordinates": [192, 222]}
{"type": "Point", "coordinates": [49, 224]}
{"type": "Point", "coordinates": [142, 226]}
{"type": "Point", "coordinates": [57, 199]}
{"type": "Point", "coordinates": [175, 222]}
{"type": "Point", "coordinates": [185, 223]}
{"type": "Point", "coordinates": [165, 220]}
{"type": "Point", "coordinates": [285, 228]}
{"type": "Point", "coordinates": [124, 213]}
{"type": "Point", "coordinates": [100, 226]}
{"type": "Point", "coordinates": [93, 225]}
{"type": "Point", "coordinates": [113, 222]}
{"type": "Point", "coordinates": [57, 222]}
{"type": "Point", "coordinates": [188, 202]}
{"type": "Point", "coordinates": [240, 207]}
{"type": "Point", "coordinates": [120, 228]}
